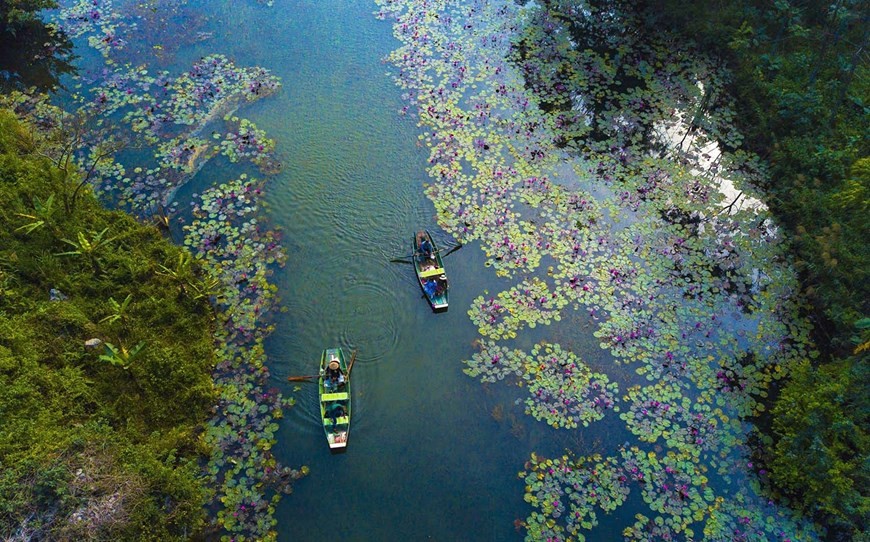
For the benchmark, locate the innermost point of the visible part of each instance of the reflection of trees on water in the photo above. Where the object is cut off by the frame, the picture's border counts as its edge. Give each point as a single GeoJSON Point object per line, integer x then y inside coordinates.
{"type": "Point", "coordinates": [33, 55]}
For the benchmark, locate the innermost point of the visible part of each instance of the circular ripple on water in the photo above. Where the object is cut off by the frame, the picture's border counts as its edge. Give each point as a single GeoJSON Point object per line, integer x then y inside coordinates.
{"type": "Point", "coordinates": [370, 319]}
{"type": "Point", "coordinates": [312, 326]}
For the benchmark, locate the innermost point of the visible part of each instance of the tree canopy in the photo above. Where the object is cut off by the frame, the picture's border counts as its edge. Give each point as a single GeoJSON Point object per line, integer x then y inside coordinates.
{"type": "Point", "coordinates": [802, 87]}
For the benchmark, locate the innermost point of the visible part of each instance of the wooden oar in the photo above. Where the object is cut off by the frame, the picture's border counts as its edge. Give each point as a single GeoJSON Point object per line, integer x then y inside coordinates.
{"type": "Point", "coordinates": [452, 250]}
{"type": "Point", "coordinates": [350, 365]}
{"type": "Point", "coordinates": [404, 259]}
{"type": "Point", "coordinates": [301, 378]}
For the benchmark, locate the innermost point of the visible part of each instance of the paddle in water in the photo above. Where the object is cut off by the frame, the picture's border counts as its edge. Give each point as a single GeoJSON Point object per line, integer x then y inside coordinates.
{"type": "Point", "coordinates": [350, 365]}
{"type": "Point", "coordinates": [452, 248]}
{"type": "Point", "coordinates": [305, 378]}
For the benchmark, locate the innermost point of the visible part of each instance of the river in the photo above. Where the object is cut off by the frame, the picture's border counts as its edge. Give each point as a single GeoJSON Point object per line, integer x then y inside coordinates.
{"type": "Point", "coordinates": [434, 454]}
{"type": "Point", "coordinates": [426, 458]}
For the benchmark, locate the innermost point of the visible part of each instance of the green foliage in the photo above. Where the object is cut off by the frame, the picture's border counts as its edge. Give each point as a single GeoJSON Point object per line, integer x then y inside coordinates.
{"type": "Point", "coordinates": [101, 401]}
{"type": "Point", "coordinates": [118, 310]}
{"type": "Point", "coordinates": [120, 356]}
{"type": "Point", "coordinates": [13, 13]}
{"type": "Point", "coordinates": [821, 423]}
{"type": "Point", "coordinates": [42, 214]}
{"type": "Point", "coordinates": [90, 248]}
{"type": "Point", "coordinates": [801, 78]}
{"type": "Point", "coordinates": [832, 245]}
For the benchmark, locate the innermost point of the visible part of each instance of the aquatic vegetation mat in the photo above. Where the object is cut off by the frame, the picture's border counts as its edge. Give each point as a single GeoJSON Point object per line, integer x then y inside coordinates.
{"type": "Point", "coordinates": [238, 254]}
{"type": "Point", "coordinates": [559, 136]}
{"type": "Point", "coordinates": [563, 391]}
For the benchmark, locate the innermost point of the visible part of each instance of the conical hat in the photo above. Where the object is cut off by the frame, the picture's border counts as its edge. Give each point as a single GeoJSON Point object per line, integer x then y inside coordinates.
{"type": "Point", "coordinates": [333, 364]}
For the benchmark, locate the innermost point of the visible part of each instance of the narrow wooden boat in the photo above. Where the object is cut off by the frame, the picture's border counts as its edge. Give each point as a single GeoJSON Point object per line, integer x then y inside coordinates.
{"type": "Point", "coordinates": [334, 389]}
{"type": "Point", "coordinates": [430, 270]}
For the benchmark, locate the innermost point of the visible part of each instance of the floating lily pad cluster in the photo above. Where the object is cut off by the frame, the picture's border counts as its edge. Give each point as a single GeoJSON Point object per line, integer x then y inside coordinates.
{"type": "Point", "coordinates": [529, 303]}
{"type": "Point", "coordinates": [243, 141]}
{"type": "Point", "coordinates": [183, 154]}
{"type": "Point", "coordinates": [576, 58]}
{"type": "Point", "coordinates": [563, 391]}
{"type": "Point", "coordinates": [98, 20]}
{"type": "Point", "coordinates": [214, 87]}
{"type": "Point", "coordinates": [551, 133]}
{"type": "Point", "coordinates": [567, 491]}
{"type": "Point", "coordinates": [650, 530]}
{"type": "Point", "coordinates": [749, 518]}
{"type": "Point", "coordinates": [172, 115]}
{"type": "Point", "coordinates": [246, 141]}
{"type": "Point", "coordinates": [495, 362]}
{"type": "Point", "coordinates": [692, 427]}
{"type": "Point", "coordinates": [242, 468]}
{"type": "Point", "coordinates": [239, 255]}
{"type": "Point", "coordinates": [674, 486]}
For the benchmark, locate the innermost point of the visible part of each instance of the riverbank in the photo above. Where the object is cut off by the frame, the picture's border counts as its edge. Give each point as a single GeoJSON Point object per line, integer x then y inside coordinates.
{"type": "Point", "coordinates": [105, 363]}
{"type": "Point", "coordinates": [142, 138]}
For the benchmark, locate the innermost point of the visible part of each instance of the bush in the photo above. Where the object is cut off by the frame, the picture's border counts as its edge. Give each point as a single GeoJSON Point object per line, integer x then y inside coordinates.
{"type": "Point", "coordinates": [105, 366]}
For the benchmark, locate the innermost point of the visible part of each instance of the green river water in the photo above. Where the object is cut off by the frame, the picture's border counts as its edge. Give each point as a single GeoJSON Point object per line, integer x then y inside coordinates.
{"type": "Point", "coordinates": [426, 458]}
{"type": "Point", "coordinates": [432, 455]}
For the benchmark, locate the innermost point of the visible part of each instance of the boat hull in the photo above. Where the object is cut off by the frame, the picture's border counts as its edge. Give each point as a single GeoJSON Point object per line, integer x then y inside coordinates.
{"type": "Point", "coordinates": [334, 397]}
{"type": "Point", "coordinates": [430, 272]}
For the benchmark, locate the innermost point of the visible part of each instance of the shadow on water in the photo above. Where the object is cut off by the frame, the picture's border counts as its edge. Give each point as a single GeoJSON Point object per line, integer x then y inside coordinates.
{"type": "Point", "coordinates": [34, 55]}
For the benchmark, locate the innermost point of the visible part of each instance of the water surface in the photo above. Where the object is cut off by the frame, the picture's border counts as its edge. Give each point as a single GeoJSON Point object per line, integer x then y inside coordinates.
{"type": "Point", "coordinates": [428, 458]}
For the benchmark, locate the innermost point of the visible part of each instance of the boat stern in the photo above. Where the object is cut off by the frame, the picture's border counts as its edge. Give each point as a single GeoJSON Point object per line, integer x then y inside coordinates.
{"type": "Point", "coordinates": [337, 440]}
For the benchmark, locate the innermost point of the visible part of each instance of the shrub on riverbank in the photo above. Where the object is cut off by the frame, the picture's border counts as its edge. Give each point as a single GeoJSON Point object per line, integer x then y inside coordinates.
{"type": "Point", "coordinates": [820, 454]}
{"type": "Point", "coordinates": [104, 365]}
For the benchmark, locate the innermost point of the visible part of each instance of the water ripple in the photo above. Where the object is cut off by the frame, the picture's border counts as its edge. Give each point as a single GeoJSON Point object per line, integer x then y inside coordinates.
{"type": "Point", "coordinates": [371, 320]}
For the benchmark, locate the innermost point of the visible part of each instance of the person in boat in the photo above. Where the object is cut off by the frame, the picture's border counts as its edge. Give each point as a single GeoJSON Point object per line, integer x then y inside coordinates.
{"type": "Point", "coordinates": [336, 411]}
{"type": "Point", "coordinates": [430, 287]}
{"type": "Point", "coordinates": [426, 249]}
{"type": "Point", "coordinates": [440, 284]}
{"type": "Point", "coordinates": [334, 377]}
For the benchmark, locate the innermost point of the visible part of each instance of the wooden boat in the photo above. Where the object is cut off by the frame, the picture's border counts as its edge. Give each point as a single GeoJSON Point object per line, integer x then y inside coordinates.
{"type": "Point", "coordinates": [334, 398]}
{"type": "Point", "coordinates": [430, 271]}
